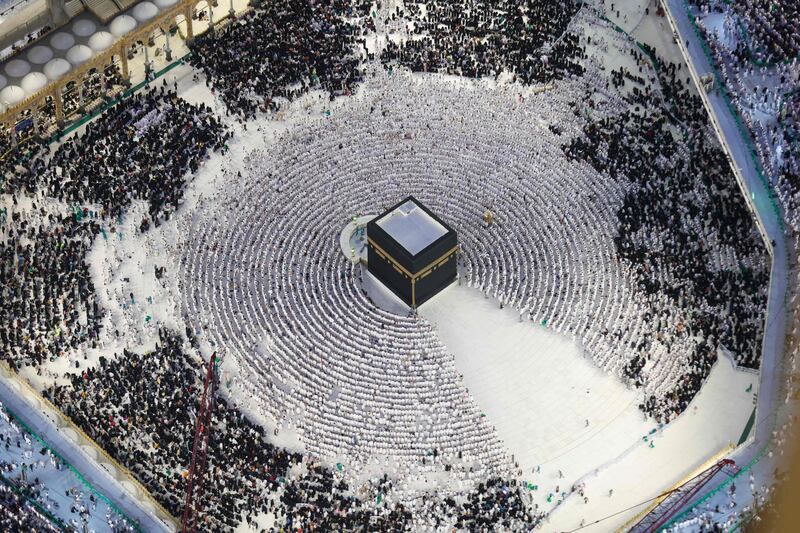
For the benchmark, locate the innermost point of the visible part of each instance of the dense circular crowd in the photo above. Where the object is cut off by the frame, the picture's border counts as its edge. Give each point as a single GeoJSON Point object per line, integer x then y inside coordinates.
{"type": "Point", "coordinates": [618, 222]}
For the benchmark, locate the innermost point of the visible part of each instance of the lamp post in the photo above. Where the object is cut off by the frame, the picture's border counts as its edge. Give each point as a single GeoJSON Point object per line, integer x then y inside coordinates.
{"type": "Point", "coordinates": [148, 67]}
{"type": "Point", "coordinates": [35, 118]}
{"type": "Point", "coordinates": [167, 49]}
{"type": "Point", "coordinates": [81, 108]}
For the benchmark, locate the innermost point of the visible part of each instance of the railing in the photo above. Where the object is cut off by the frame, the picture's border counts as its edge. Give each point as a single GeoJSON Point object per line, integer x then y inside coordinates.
{"type": "Point", "coordinates": [83, 119]}
{"type": "Point", "coordinates": [4, 13]}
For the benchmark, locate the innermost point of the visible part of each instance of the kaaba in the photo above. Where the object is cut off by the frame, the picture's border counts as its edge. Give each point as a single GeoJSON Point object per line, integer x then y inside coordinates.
{"type": "Point", "coordinates": [412, 251]}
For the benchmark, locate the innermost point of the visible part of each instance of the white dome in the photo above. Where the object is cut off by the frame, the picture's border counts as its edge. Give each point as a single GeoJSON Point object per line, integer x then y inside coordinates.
{"type": "Point", "coordinates": [3, 81]}
{"type": "Point", "coordinates": [16, 68]}
{"type": "Point", "coordinates": [2, 107]}
{"type": "Point", "coordinates": [39, 55]}
{"type": "Point", "coordinates": [80, 53]}
{"type": "Point", "coordinates": [57, 68]}
{"type": "Point", "coordinates": [84, 28]}
{"type": "Point", "coordinates": [144, 11]}
{"type": "Point", "coordinates": [62, 41]}
{"type": "Point", "coordinates": [100, 41]}
{"type": "Point", "coordinates": [33, 82]}
{"type": "Point", "coordinates": [161, 4]}
{"type": "Point", "coordinates": [13, 94]}
{"type": "Point", "coordinates": [122, 25]}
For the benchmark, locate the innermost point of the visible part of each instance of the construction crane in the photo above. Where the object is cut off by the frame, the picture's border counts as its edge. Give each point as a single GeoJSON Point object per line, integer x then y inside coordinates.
{"type": "Point", "coordinates": [202, 434]}
{"type": "Point", "coordinates": [678, 498]}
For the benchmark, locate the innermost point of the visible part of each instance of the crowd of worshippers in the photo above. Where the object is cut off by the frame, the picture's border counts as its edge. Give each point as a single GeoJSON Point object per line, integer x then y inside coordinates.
{"type": "Point", "coordinates": [140, 409]}
{"type": "Point", "coordinates": [140, 149]}
{"type": "Point", "coordinates": [791, 134]}
{"type": "Point", "coordinates": [94, 87]}
{"type": "Point", "coordinates": [49, 304]}
{"type": "Point", "coordinates": [528, 39]}
{"type": "Point", "coordinates": [728, 301]}
{"type": "Point", "coordinates": [756, 49]}
{"type": "Point", "coordinates": [138, 406]}
{"type": "Point", "coordinates": [769, 31]}
{"type": "Point", "coordinates": [40, 477]}
{"type": "Point", "coordinates": [32, 129]}
{"type": "Point", "coordinates": [279, 51]}
{"type": "Point", "coordinates": [19, 515]}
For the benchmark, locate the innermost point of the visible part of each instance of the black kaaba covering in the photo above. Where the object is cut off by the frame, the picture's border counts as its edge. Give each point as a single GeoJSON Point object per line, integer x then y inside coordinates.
{"type": "Point", "coordinates": [413, 277]}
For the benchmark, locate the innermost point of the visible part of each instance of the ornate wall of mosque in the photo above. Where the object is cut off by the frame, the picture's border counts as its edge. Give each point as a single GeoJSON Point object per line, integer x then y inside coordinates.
{"type": "Point", "coordinates": [69, 88]}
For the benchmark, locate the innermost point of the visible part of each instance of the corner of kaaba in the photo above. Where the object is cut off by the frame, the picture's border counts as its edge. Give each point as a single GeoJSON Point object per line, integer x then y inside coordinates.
{"type": "Point", "coordinates": [412, 251]}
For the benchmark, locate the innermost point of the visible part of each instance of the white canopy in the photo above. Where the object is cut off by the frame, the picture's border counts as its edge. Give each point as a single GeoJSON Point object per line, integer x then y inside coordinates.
{"type": "Point", "coordinates": [144, 11]}
{"type": "Point", "coordinates": [84, 28]}
{"type": "Point", "coordinates": [62, 41]}
{"type": "Point", "coordinates": [16, 68]}
{"type": "Point", "coordinates": [13, 94]}
{"type": "Point", "coordinates": [80, 53]}
{"type": "Point", "coordinates": [39, 55]}
{"type": "Point", "coordinates": [3, 81]}
{"type": "Point", "coordinates": [33, 82]}
{"type": "Point", "coordinates": [57, 68]}
{"type": "Point", "coordinates": [161, 4]}
{"type": "Point", "coordinates": [122, 25]}
{"type": "Point", "coordinates": [101, 41]}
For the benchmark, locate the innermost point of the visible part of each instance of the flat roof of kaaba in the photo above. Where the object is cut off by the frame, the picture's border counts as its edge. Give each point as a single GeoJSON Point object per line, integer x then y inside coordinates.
{"type": "Point", "coordinates": [411, 226]}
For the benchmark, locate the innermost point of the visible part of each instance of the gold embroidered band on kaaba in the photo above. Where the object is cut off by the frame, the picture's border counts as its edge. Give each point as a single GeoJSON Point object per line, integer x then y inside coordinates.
{"type": "Point", "coordinates": [422, 273]}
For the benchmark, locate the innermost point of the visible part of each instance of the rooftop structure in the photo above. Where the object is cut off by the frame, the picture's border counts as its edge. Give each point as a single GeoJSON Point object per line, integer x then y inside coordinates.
{"type": "Point", "coordinates": [411, 226]}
